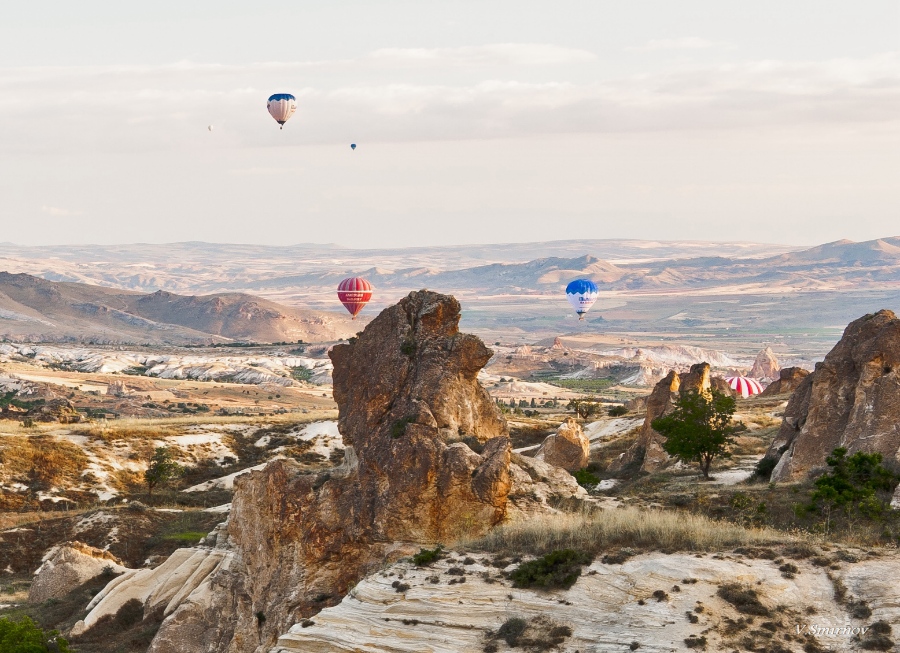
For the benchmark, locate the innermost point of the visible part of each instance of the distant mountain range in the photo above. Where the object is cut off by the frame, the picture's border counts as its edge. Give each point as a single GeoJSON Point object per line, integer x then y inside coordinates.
{"type": "Point", "coordinates": [36, 310]}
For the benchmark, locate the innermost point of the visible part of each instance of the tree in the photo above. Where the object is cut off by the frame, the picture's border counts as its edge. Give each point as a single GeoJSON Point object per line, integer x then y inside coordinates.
{"type": "Point", "coordinates": [852, 486]}
{"type": "Point", "coordinates": [162, 469]}
{"type": "Point", "coordinates": [584, 408]}
{"type": "Point", "coordinates": [699, 429]}
{"type": "Point", "coordinates": [24, 636]}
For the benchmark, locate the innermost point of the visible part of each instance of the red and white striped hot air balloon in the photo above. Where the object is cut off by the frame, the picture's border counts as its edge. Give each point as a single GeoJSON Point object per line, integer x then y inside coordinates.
{"type": "Point", "coordinates": [744, 386]}
{"type": "Point", "coordinates": [354, 293]}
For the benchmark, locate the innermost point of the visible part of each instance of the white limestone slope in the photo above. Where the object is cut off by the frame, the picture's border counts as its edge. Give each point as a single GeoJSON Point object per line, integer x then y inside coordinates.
{"type": "Point", "coordinates": [603, 608]}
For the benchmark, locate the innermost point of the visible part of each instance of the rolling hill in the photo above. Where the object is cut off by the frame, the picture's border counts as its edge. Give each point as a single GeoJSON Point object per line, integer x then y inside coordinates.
{"type": "Point", "coordinates": [36, 310]}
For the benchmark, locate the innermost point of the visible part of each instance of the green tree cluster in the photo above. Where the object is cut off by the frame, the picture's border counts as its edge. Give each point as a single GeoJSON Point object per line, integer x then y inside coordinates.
{"type": "Point", "coordinates": [699, 429]}
{"type": "Point", "coordinates": [855, 486]}
{"type": "Point", "coordinates": [584, 408]}
{"type": "Point", "coordinates": [24, 636]}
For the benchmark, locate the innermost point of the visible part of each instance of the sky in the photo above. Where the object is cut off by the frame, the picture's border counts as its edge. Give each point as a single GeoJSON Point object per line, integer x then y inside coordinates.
{"type": "Point", "coordinates": [476, 122]}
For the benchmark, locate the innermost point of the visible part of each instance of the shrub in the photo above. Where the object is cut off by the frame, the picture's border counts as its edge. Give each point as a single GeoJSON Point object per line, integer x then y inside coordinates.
{"type": "Point", "coordinates": [617, 411]}
{"type": "Point", "coordinates": [585, 479]}
{"type": "Point", "coordinates": [24, 636]}
{"type": "Point", "coordinates": [131, 612]}
{"type": "Point", "coordinates": [744, 599]}
{"type": "Point", "coordinates": [426, 557]}
{"type": "Point", "coordinates": [558, 569]}
{"type": "Point", "coordinates": [511, 630]}
{"type": "Point", "coordinates": [765, 467]}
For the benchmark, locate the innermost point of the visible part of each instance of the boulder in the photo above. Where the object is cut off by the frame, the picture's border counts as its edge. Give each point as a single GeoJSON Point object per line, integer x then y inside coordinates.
{"type": "Point", "coordinates": [851, 400]}
{"type": "Point", "coordinates": [568, 448]}
{"type": "Point", "coordinates": [766, 366]}
{"type": "Point", "coordinates": [69, 565]}
{"type": "Point", "coordinates": [56, 410]}
{"type": "Point", "coordinates": [788, 380]}
{"type": "Point", "coordinates": [647, 452]}
{"type": "Point", "coordinates": [427, 460]}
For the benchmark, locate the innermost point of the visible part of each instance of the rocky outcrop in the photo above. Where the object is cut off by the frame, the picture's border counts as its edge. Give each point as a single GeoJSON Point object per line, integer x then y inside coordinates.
{"type": "Point", "coordinates": [568, 448]}
{"type": "Point", "coordinates": [851, 400]}
{"type": "Point", "coordinates": [184, 574]}
{"type": "Point", "coordinates": [117, 389]}
{"type": "Point", "coordinates": [643, 600]}
{"type": "Point", "coordinates": [69, 565]}
{"type": "Point", "coordinates": [788, 380]}
{"type": "Point", "coordinates": [427, 460]}
{"type": "Point", "coordinates": [647, 452]}
{"type": "Point", "coordinates": [56, 410]}
{"type": "Point", "coordinates": [766, 366]}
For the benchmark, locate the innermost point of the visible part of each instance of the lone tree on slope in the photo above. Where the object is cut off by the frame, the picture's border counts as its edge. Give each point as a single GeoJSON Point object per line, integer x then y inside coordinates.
{"type": "Point", "coordinates": [699, 429]}
{"type": "Point", "coordinates": [162, 469]}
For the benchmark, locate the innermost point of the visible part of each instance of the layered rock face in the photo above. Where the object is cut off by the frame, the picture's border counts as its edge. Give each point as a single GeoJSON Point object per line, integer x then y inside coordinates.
{"type": "Point", "coordinates": [765, 366]}
{"type": "Point", "coordinates": [851, 400]}
{"type": "Point", "coordinates": [648, 451]}
{"type": "Point", "coordinates": [568, 448]}
{"type": "Point", "coordinates": [788, 380]}
{"type": "Point", "coordinates": [68, 566]}
{"type": "Point", "coordinates": [408, 396]}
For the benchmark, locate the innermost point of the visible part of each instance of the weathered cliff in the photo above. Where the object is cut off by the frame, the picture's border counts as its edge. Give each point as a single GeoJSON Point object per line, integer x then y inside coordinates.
{"type": "Point", "coordinates": [789, 379]}
{"type": "Point", "coordinates": [427, 461]}
{"type": "Point", "coordinates": [851, 400]}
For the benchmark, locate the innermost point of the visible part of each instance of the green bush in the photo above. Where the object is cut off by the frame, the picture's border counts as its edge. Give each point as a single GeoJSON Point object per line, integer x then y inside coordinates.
{"type": "Point", "coordinates": [585, 479]}
{"type": "Point", "coordinates": [426, 557]}
{"type": "Point", "coordinates": [558, 569]}
{"type": "Point", "coordinates": [617, 411]}
{"type": "Point", "coordinates": [24, 636]}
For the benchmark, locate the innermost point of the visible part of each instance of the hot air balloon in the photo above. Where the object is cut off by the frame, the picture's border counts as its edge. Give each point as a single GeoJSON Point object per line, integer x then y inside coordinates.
{"type": "Point", "coordinates": [352, 146]}
{"type": "Point", "coordinates": [581, 293]}
{"type": "Point", "coordinates": [210, 128]}
{"type": "Point", "coordinates": [744, 386]}
{"type": "Point", "coordinates": [282, 106]}
{"type": "Point", "coordinates": [354, 293]}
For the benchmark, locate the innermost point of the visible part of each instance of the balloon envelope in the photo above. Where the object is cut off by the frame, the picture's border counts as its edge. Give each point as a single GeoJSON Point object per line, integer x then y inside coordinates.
{"type": "Point", "coordinates": [352, 146]}
{"type": "Point", "coordinates": [581, 293]}
{"type": "Point", "coordinates": [354, 293]}
{"type": "Point", "coordinates": [281, 106]}
{"type": "Point", "coordinates": [744, 386]}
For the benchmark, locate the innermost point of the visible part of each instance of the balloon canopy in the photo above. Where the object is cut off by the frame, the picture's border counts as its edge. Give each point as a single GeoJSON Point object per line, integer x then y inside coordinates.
{"type": "Point", "coordinates": [582, 293]}
{"type": "Point", "coordinates": [352, 146]}
{"type": "Point", "coordinates": [354, 293]}
{"type": "Point", "coordinates": [744, 386]}
{"type": "Point", "coordinates": [281, 106]}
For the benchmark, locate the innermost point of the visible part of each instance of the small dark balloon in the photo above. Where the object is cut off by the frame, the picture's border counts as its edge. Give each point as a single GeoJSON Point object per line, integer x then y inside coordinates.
{"type": "Point", "coordinates": [352, 146]}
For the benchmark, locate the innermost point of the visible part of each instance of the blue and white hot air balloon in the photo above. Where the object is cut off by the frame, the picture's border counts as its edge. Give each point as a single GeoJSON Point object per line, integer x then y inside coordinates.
{"type": "Point", "coordinates": [582, 293]}
{"type": "Point", "coordinates": [282, 106]}
{"type": "Point", "coordinates": [352, 146]}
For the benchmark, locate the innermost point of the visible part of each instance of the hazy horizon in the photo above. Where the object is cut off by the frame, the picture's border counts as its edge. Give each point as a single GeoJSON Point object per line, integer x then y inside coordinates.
{"type": "Point", "coordinates": [475, 123]}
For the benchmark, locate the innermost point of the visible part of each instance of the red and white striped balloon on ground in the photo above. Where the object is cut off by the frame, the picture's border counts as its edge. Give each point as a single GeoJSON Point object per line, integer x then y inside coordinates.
{"type": "Point", "coordinates": [744, 386]}
{"type": "Point", "coordinates": [354, 293]}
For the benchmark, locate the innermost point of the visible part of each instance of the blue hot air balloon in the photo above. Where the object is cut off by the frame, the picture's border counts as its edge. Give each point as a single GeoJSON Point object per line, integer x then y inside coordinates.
{"type": "Point", "coordinates": [352, 146]}
{"type": "Point", "coordinates": [582, 293]}
{"type": "Point", "coordinates": [281, 106]}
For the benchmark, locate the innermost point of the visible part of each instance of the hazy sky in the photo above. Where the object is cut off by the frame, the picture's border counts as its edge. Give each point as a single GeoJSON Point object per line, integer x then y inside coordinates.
{"type": "Point", "coordinates": [476, 121]}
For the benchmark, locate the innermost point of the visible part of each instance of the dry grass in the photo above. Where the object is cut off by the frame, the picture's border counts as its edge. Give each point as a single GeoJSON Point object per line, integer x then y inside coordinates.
{"type": "Point", "coordinates": [667, 531]}
{"type": "Point", "coordinates": [42, 460]}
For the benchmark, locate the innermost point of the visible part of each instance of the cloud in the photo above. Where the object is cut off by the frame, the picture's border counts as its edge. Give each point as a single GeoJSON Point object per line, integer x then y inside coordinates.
{"type": "Point", "coordinates": [128, 109]}
{"type": "Point", "coordinates": [56, 211]}
{"type": "Point", "coordinates": [528, 54]}
{"type": "Point", "coordinates": [684, 43]}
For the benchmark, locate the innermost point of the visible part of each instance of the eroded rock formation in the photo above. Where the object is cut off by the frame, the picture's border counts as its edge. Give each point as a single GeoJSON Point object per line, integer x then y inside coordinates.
{"type": "Point", "coordinates": [427, 460]}
{"type": "Point", "coordinates": [766, 366]}
{"type": "Point", "coordinates": [568, 448]}
{"type": "Point", "coordinates": [851, 400]}
{"type": "Point", "coordinates": [69, 565]}
{"type": "Point", "coordinates": [647, 452]}
{"type": "Point", "coordinates": [788, 380]}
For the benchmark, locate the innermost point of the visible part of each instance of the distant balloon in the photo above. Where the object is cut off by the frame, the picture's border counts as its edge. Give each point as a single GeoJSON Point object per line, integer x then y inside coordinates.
{"type": "Point", "coordinates": [282, 106]}
{"type": "Point", "coordinates": [352, 146]}
{"type": "Point", "coordinates": [209, 128]}
{"type": "Point", "coordinates": [354, 293]}
{"type": "Point", "coordinates": [582, 293]}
